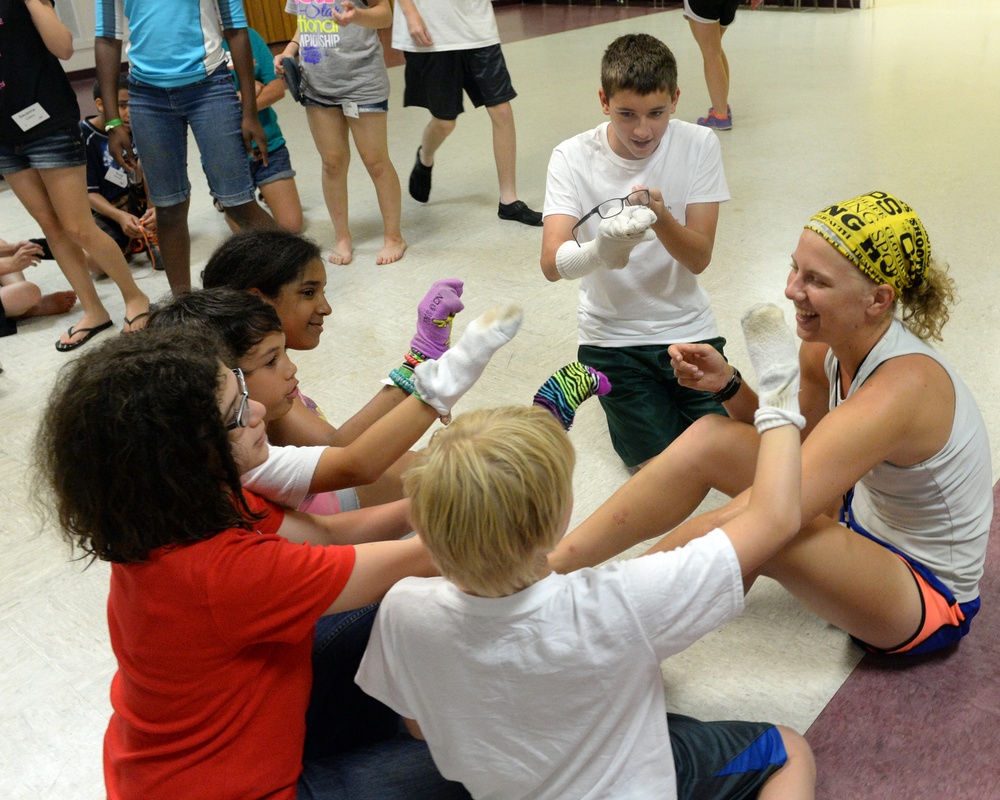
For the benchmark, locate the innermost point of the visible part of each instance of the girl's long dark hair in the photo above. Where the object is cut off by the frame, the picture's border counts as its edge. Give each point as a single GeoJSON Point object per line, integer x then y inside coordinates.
{"type": "Point", "coordinates": [265, 260]}
{"type": "Point", "coordinates": [133, 450]}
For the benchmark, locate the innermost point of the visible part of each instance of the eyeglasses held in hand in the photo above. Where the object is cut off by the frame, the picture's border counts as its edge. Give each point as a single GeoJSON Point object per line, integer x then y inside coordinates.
{"type": "Point", "coordinates": [613, 207]}
{"type": "Point", "coordinates": [242, 418]}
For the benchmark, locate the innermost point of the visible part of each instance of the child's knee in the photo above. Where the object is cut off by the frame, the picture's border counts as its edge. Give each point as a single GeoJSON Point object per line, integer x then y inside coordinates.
{"type": "Point", "coordinates": [443, 127]}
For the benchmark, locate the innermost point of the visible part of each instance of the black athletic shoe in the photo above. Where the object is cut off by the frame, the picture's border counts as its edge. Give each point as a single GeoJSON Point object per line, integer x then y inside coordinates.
{"type": "Point", "coordinates": [519, 212]}
{"type": "Point", "coordinates": [293, 78]}
{"type": "Point", "coordinates": [420, 181]}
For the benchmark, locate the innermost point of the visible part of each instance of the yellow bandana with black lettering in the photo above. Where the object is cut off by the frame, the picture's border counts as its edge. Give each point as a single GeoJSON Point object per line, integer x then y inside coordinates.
{"type": "Point", "coordinates": [881, 235]}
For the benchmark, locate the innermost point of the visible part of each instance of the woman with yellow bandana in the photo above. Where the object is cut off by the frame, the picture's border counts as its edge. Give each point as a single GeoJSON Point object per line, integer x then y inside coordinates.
{"type": "Point", "coordinates": [896, 474]}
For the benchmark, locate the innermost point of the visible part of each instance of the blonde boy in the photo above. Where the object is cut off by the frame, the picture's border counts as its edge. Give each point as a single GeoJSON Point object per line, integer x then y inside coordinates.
{"type": "Point", "coordinates": [526, 683]}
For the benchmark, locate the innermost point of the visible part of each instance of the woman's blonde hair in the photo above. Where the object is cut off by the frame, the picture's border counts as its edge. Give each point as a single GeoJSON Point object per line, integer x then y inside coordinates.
{"type": "Point", "coordinates": [924, 306]}
{"type": "Point", "coordinates": [490, 496]}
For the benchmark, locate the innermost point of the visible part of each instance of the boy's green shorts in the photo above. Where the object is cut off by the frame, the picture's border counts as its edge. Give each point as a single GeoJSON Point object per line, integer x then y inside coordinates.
{"type": "Point", "coordinates": [646, 408]}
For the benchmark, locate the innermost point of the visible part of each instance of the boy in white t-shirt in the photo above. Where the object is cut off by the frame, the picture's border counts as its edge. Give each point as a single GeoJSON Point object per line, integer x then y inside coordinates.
{"type": "Point", "coordinates": [638, 258]}
{"type": "Point", "coordinates": [530, 684]}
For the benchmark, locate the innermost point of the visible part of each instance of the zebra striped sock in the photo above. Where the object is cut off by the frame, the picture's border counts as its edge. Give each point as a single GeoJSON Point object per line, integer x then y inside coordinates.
{"type": "Point", "coordinates": [568, 387]}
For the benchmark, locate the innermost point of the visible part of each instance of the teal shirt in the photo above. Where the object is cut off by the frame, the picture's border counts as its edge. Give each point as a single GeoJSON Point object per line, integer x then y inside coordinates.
{"type": "Point", "coordinates": [263, 71]}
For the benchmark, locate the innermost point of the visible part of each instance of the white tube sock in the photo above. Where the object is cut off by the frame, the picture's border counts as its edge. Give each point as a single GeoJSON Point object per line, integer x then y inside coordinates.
{"type": "Point", "coordinates": [442, 382]}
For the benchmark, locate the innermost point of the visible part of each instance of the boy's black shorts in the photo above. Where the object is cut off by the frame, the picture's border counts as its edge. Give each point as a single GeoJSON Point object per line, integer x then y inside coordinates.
{"type": "Point", "coordinates": [435, 80]}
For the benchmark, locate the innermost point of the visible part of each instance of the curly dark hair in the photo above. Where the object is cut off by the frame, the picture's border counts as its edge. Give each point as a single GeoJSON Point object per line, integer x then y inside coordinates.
{"type": "Point", "coordinates": [132, 450]}
{"type": "Point", "coordinates": [265, 260]}
{"type": "Point", "coordinates": [240, 319]}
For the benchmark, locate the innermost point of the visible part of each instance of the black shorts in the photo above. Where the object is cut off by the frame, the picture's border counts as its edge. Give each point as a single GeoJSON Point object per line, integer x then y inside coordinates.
{"type": "Point", "coordinates": [721, 11]}
{"type": "Point", "coordinates": [435, 80]}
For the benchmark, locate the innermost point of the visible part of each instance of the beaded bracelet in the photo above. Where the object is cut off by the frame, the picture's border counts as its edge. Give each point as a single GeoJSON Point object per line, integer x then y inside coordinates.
{"type": "Point", "coordinates": [728, 392]}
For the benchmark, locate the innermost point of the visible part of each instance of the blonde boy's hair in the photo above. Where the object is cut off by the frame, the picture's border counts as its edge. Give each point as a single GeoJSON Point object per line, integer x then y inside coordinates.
{"type": "Point", "coordinates": [490, 496]}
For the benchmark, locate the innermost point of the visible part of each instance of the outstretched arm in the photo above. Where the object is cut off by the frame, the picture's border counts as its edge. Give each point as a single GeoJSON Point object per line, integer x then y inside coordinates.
{"type": "Point", "coordinates": [773, 514]}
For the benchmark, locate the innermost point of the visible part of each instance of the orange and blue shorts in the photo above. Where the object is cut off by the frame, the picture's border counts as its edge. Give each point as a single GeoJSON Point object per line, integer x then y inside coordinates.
{"type": "Point", "coordinates": [943, 621]}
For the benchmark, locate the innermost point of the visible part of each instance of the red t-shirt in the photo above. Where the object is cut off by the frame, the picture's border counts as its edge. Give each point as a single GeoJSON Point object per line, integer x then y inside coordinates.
{"type": "Point", "coordinates": [214, 643]}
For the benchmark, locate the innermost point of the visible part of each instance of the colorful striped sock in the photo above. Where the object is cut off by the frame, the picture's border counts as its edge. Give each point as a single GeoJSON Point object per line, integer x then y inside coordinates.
{"type": "Point", "coordinates": [568, 387]}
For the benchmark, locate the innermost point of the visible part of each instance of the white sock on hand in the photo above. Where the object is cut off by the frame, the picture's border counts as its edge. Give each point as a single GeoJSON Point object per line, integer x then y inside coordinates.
{"type": "Point", "coordinates": [774, 354]}
{"type": "Point", "coordinates": [618, 236]}
{"type": "Point", "coordinates": [442, 382]}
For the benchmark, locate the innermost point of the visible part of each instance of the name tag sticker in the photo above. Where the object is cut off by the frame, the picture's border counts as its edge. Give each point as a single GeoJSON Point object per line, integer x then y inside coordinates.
{"type": "Point", "coordinates": [351, 110]}
{"type": "Point", "coordinates": [116, 176]}
{"type": "Point", "coordinates": [31, 116]}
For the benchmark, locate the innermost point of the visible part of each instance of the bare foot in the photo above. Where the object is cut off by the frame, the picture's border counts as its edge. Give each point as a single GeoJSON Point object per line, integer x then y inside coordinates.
{"type": "Point", "coordinates": [52, 304]}
{"type": "Point", "coordinates": [136, 314]}
{"type": "Point", "coordinates": [392, 251]}
{"type": "Point", "coordinates": [83, 328]}
{"type": "Point", "coordinates": [342, 252]}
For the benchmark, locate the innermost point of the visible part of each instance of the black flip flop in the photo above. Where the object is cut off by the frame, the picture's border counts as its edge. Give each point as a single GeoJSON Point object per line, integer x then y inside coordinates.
{"type": "Point", "coordinates": [64, 347]}
{"type": "Point", "coordinates": [293, 78]}
{"type": "Point", "coordinates": [136, 318]}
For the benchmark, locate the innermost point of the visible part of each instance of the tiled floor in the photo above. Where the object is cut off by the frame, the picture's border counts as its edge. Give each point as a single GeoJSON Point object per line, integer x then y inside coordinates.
{"type": "Point", "coordinates": [827, 106]}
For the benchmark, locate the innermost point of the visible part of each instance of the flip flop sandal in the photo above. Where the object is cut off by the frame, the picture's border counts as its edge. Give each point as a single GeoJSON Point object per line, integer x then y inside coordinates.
{"type": "Point", "coordinates": [65, 347]}
{"type": "Point", "coordinates": [136, 318]}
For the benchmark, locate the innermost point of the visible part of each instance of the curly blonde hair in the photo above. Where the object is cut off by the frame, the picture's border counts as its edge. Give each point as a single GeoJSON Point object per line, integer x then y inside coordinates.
{"type": "Point", "coordinates": [924, 306]}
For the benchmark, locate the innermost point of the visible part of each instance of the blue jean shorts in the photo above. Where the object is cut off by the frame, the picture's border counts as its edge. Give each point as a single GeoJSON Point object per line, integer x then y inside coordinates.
{"type": "Point", "coordinates": [64, 148]}
{"type": "Point", "coordinates": [160, 118]}
{"type": "Point", "coordinates": [368, 108]}
{"type": "Point", "coordinates": [279, 168]}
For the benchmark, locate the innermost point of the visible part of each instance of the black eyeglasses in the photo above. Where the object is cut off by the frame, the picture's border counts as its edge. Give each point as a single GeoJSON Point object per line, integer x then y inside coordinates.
{"type": "Point", "coordinates": [613, 207]}
{"type": "Point", "coordinates": [242, 418]}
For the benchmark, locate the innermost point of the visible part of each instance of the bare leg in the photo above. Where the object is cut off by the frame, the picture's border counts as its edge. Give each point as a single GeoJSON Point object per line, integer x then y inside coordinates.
{"type": "Point", "coordinates": [435, 133]}
{"type": "Point", "coordinates": [796, 780]}
{"type": "Point", "coordinates": [67, 190]}
{"type": "Point", "coordinates": [29, 189]}
{"type": "Point", "coordinates": [709, 39]}
{"type": "Point", "coordinates": [282, 197]}
{"type": "Point", "coordinates": [22, 298]}
{"type": "Point", "coordinates": [715, 452]}
{"type": "Point", "coordinates": [175, 244]}
{"type": "Point", "coordinates": [369, 132]}
{"type": "Point", "coordinates": [851, 581]}
{"type": "Point", "coordinates": [505, 150]}
{"type": "Point", "coordinates": [329, 132]}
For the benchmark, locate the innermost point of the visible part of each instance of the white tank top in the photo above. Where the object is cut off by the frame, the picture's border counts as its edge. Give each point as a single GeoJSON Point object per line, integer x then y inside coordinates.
{"type": "Point", "coordinates": [938, 511]}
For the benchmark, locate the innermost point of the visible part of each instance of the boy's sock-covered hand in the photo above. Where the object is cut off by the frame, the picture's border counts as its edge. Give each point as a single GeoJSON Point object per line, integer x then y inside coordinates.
{"type": "Point", "coordinates": [434, 317]}
{"type": "Point", "coordinates": [441, 383]}
{"type": "Point", "coordinates": [564, 392]}
{"type": "Point", "coordinates": [774, 354]}
{"type": "Point", "coordinates": [616, 238]}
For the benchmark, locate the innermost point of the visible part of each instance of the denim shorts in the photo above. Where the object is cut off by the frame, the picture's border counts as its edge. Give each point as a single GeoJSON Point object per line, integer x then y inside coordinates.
{"type": "Point", "coordinates": [279, 167]}
{"type": "Point", "coordinates": [382, 105]}
{"type": "Point", "coordinates": [160, 118]}
{"type": "Point", "coordinates": [64, 148]}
